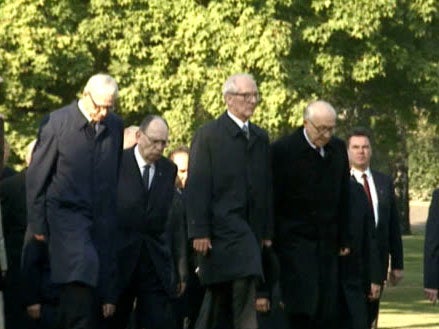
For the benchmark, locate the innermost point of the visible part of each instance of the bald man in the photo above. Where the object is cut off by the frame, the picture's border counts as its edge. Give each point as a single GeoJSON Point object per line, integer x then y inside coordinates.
{"type": "Point", "coordinates": [311, 184]}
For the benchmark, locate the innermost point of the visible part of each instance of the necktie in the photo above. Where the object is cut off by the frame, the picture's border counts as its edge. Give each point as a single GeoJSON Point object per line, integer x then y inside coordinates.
{"type": "Point", "coordinates": [145, 177]}
{"type": "Point", "coordinates": [90, 130]}
{"type": "Point", "coordinates": [367, 190]}
{"type": "Point", "coordinates": [246, 132]}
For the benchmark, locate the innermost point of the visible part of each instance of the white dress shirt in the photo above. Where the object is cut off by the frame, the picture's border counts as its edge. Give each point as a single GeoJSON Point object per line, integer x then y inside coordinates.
{"type": "Point", "coordinates": [142, 163]}
{"type": "Point", "coordinates": [373, 191]}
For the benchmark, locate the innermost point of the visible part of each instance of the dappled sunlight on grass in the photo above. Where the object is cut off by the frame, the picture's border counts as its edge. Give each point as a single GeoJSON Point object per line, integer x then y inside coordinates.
{"type": "Point", "coordinates": [404, 306]}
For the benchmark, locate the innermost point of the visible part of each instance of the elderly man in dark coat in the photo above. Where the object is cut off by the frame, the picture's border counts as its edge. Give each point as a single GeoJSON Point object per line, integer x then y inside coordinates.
{"type": "Point", "coordinates": [311, 202]}
{"type": "Point", "coordinates": [229, 206]}
{"type": "Point", "coordinates": [71, 187]}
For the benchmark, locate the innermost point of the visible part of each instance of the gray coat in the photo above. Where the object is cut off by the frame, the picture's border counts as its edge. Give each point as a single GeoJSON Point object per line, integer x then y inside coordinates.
{"type": "Point", "coordinates": [228, 196]}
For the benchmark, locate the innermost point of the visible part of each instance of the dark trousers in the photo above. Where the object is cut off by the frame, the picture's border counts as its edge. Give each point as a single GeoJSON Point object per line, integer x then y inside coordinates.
{"type": "Point", "coordinates": [187, 307]}
{"type": "Point", "coordinates": [78, 307]}
{"type": "Point", "coordinates": [229, 305]}
{"type": "Point", "coordinates": [153, 309]}
{"type": "Point", "coordinates": [373, 311]}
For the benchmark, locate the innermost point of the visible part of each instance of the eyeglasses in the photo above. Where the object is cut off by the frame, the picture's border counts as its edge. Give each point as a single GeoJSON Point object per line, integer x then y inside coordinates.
{"type": "Point", "coordinates": [248, 97]}
{"type": "Point", "coordinates": [109, 108]}
{"type": "Point", "coordinates": [322, 130]}
{"type": "Point", "coordinates": [161, 142]}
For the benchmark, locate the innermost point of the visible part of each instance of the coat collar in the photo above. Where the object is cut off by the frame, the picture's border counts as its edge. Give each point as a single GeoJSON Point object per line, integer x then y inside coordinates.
{"type": "Point", "coordinates": [235, 131]}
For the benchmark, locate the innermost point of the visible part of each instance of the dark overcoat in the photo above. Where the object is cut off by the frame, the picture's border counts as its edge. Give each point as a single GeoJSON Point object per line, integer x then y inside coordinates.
{"type": "Point", "coordinates": [71, 187]}
{"type": "Point", "coordinates": [143, 221]}
{"type": "Point", "coordinates": [311, 204]}
{"type": "Point", "coordinates": [228, 195]}
{"type": "Point", "coordinates": [431, 247]}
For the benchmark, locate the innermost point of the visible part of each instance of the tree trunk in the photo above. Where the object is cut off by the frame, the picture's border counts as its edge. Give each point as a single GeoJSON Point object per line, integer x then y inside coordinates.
{"type": "Point", "coordinates": [401, 180]}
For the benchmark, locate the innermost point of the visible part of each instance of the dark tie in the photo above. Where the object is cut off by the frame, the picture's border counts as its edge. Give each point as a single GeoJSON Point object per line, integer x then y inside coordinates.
{"type": "Point", "coordinates": [246, 132]}
{"type": "Point", "coordinates": [320, 151]}
{"type": "Point", "coordinates": [145, 176]}
{"type": "Point", "coordinates": [90, 130]}
{"type": "Point", "coordinates": [367, 190]}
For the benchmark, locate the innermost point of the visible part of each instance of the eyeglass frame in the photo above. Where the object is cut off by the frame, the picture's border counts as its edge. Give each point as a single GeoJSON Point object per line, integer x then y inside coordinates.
{"type": "Point", "coordinates": [97, 106]}
{"type": "Point", "coordinates": [248, 97]}
{"type": "Point", "coordinates": [162, 142]}
{"type": "Point", "coordinates": [322, 130]}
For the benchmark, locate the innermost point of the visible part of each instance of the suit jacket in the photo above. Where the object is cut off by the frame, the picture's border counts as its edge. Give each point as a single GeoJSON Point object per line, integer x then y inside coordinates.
{"type": "Point", "coordinates": [361, 267]}
{"type": "Point", "coordinates": [431, 247]}
{"type": "Point", "coordinates": [13, 208]}
{"type": "Point", "coordinates": [228, 196]}
{"type": "Point", "coordinates": [71, 196]}
{"type": "Point", "coordinates": [388, 230]}
{"type": "Point", "coordinates": [311, 203]}
{"type": "Point", "coordinates": [143, 222]}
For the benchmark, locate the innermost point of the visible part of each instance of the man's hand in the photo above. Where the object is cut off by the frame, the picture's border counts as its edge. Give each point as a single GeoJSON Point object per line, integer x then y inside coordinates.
{"type": "Point", "coordinates": [267, 243]}
{"type": "Point", "coordinates": [108, 310]}
{"type": "Point", "coordinates": [344, 251]}
{"type": "Point", "coordinates": [395, 276]}
{"type": "Point", "coordinates": [181, 287]}
{"type": "Point", "coordinates": [431, 295]}
{"type": "Point", "coordinates": [40, 237]}
{"type": "Point", "coordinates": [202, 245]}
{"type": "Point", "coordinates": [375, 291]}
{"type": "Point", "coordinates": [262, 305]}
{"type": "Point", "coordinates": [34, 311]}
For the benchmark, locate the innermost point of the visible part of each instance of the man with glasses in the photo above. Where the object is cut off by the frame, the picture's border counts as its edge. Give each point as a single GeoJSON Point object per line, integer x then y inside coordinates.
{"type": "Point", "coordinates": [71, 200]}
{"type": "Point", "coordinates": [146, 256]}
{"type": "Point", "coordinates": [228, 194]}
{"type": "Point", "coordinates": [311, 202]}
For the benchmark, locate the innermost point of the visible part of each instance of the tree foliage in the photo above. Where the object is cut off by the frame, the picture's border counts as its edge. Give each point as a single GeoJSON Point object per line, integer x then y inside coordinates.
{"type": "Point", "coordinates": [376, 61]}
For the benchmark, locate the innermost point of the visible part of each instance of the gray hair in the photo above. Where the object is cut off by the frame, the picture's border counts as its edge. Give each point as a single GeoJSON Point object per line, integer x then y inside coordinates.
{"type": "Point", "coordinates": [317, 105]}
{"type": "Point", "coordinates": [102, 84]}
{"type": "Point", "coordinates": [230, 84]}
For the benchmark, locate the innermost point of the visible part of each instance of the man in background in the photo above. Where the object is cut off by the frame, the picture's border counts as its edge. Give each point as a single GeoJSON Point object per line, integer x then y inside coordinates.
{"type": "Point", "coordinates": [380, 193]}
{"type": "Point", "coordinates": [145, 248]}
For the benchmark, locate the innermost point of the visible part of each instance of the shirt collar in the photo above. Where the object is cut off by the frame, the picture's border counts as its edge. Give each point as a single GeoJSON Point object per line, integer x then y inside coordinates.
{"type": "Point", "coordinates": [308, 140]}
{"type": "Point", "coordinates": [238, 121]}
{"type": "Point", "coordinates": [83, 110]}
{"type": "Point", "coordinates": [358, 173]}
{"type": "Point", "coordinates": [140, 160]}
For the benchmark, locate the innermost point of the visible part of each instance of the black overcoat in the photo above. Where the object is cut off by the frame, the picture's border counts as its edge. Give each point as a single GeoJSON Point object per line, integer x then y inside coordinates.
{"type": "Point", "coordinates": [311, 204]}
{"type": "Point", "coordinates": [228, 196]}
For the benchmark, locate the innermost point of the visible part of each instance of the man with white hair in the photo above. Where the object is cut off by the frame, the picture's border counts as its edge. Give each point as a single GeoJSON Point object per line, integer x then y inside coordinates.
{"type": "Point", "coordinates": [228, 194]}
{"type": "Point", "coordinates": [71, 187]}
{"type": "Point", "coordinates": [311, 202]}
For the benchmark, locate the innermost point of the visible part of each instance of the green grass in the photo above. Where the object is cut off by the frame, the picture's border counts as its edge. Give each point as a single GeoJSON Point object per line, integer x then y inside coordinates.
{"type": "Point", "coordinates": [404, 306]}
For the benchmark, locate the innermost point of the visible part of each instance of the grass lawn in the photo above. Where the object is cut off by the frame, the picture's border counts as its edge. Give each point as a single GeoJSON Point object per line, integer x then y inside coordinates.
{"type": "Point", "coordinates": [404, 306]}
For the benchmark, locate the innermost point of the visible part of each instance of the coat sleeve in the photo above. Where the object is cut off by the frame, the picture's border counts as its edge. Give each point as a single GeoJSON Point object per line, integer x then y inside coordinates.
{"type": "Point", "coordinates": [345, 237]}
{"type": "Point", "coordinates": [431, 247]}
{"type": "Point", "coordinates": [38, 177]}
{"type": "Point", "coordinates": [199, 187]}
{"type": "Point", "coordinates": [3, 258]}
{"type": "Point", "coordinates": [179, 246]}
{"type": "Point", "coordinates": [395, 240]}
